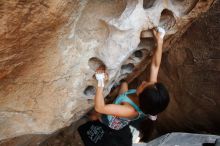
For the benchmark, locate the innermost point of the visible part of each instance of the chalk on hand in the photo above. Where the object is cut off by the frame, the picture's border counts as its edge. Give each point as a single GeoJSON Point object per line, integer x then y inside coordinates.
{"type": "Point", "coordinates": [162, 31]}
{"type": "Point", "coordinates": [100, 78]}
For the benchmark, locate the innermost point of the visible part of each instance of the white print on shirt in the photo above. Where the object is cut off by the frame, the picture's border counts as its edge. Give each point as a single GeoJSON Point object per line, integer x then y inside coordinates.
{"type": "Point", "coordinates": [95, 133]}
{"type": "Point", "coordinates": [118, 123]}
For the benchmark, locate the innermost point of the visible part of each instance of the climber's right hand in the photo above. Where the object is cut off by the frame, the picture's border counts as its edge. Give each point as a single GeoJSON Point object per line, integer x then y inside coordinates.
{"type": "Point", "coordinates": [159, 34]}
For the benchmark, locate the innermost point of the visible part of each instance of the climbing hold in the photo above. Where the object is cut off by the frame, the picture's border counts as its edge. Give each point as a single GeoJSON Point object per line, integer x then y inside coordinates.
{"type": "Point", "coordinates": [90, 91]}
{"type": "Point", "coordinates": [127, 68]}
{"type": "Point", "coordinates": [95, 63]}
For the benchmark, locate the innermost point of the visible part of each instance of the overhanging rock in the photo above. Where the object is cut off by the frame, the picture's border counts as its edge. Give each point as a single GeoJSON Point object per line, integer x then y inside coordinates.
{"type": "Point", "coordinates": [50, 50]}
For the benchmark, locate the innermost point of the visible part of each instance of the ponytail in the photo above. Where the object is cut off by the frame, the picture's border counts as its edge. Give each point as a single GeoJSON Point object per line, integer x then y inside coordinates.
{"type": "Point", "coordinates": [153, 100]}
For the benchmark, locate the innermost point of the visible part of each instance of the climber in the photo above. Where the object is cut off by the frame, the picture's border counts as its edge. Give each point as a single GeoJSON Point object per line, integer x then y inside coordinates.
{"type": "Point", "coordinates": [148, 100]}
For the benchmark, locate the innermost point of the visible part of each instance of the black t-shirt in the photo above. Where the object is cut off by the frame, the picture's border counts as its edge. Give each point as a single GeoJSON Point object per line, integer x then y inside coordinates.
{"type": "Point", "coordinates": [94, 133]}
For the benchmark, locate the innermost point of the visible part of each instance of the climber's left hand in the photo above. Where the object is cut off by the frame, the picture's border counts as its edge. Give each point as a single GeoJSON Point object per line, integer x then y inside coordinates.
{"type": "Point", "coordinates": [101, 76]}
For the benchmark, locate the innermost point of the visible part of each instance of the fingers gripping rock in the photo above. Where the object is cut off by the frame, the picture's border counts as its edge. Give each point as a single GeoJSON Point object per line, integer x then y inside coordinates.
{"type": "Point", "coordinates": [100, 78]}
{"type": "Point", "coordinates": [161, 31]}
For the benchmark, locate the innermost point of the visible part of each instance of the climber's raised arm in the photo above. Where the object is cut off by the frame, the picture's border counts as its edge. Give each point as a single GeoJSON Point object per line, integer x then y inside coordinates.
{"type": "Point", "coordinates": [157, 54]}
{"type": "Point", "coordinates": [110, 109]}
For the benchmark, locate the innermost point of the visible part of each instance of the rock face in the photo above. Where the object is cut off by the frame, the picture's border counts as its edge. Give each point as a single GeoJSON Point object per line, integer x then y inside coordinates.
{"type": "Point", "coordinates": [183, 139]}
{"type": "Point", "coordinates": [50, 50]}
{"type": "Point", "coordinates": [191, 71]}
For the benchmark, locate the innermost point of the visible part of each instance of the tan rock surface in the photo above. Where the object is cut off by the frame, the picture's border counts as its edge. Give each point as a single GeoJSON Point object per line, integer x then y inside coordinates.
{"type": "Point", "coordinates": [49, 51]}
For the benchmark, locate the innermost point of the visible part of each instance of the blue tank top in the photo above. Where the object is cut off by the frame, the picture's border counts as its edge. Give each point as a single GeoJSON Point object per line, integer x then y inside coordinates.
{"type": "Point", "coordinates": [118, 123]}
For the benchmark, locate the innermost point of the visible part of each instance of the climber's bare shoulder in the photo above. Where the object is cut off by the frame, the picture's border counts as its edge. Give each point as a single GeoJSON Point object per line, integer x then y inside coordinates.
{"type": "Point", "coordinates": [124, 110]}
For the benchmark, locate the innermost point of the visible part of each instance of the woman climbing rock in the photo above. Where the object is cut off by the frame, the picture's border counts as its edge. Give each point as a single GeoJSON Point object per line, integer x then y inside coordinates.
{"type": "Point", "coordinates": [146, 102]}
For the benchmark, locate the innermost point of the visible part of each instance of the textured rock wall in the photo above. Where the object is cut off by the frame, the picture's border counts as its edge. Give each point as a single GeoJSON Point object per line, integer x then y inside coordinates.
{"type": "Point", "coordinates": [178, 138]}
{"type": "Point", "coordinates": [191, 70]}
{"type": "Point", "coordinates": [32, 94]}
{"type": "Point", "coordinates": [50, 50]}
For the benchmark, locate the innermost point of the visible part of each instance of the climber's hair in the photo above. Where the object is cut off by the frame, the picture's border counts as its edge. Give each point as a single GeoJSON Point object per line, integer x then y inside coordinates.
{"type": "Point", "coordinates": [154, 99]}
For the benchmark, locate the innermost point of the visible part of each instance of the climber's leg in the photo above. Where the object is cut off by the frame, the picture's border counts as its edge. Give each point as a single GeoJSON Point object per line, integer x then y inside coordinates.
{"type": "Point", "coordinates": [123, 87]}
